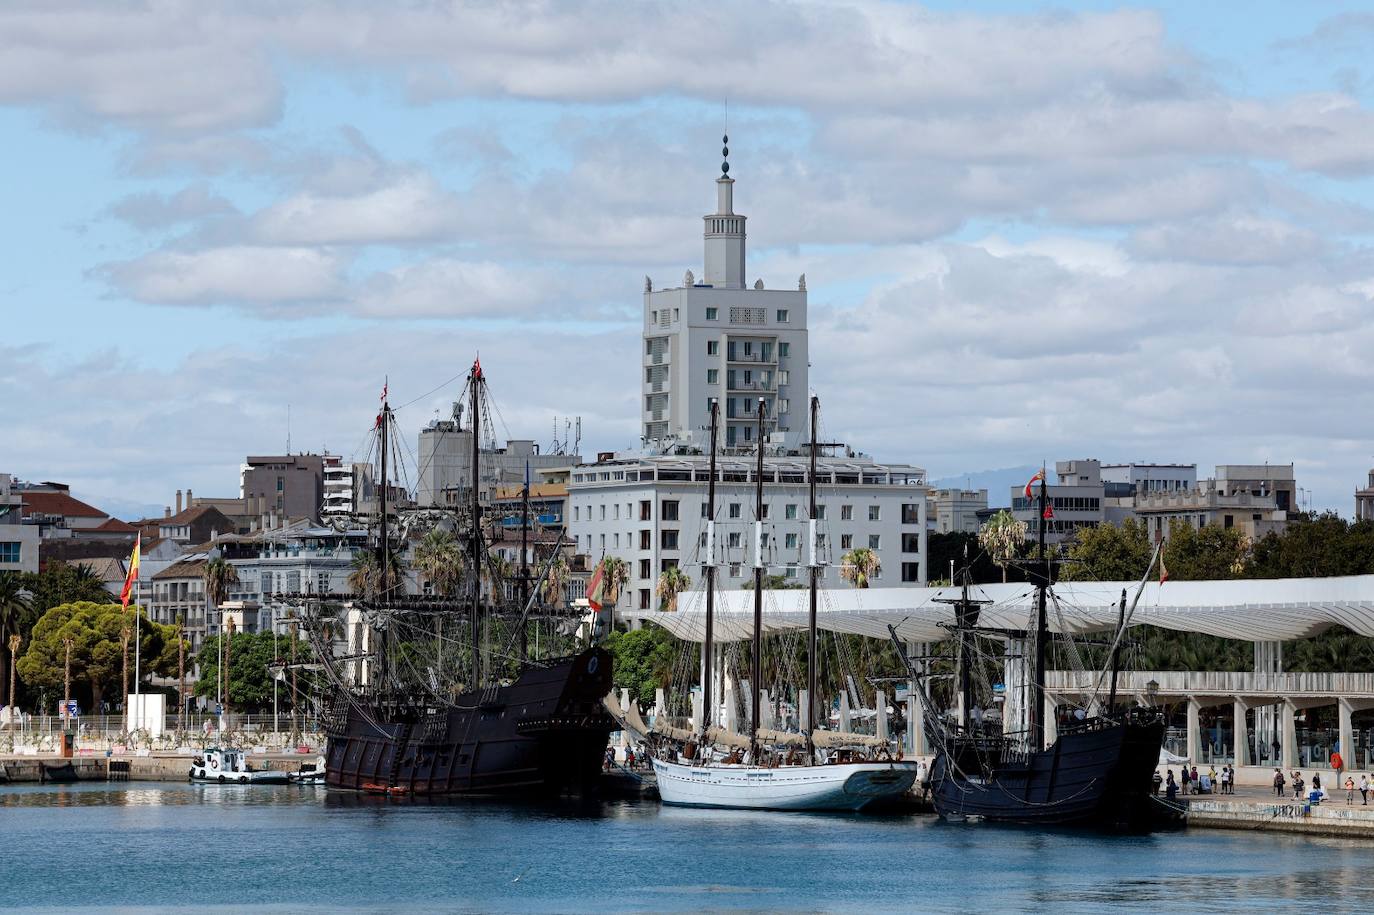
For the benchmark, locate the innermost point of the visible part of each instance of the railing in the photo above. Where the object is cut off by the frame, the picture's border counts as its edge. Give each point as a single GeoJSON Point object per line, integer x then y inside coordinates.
{"type": "Point", "coordinates": [102, 733]}
{"type": "Point", "coordinates": [1245, 683]}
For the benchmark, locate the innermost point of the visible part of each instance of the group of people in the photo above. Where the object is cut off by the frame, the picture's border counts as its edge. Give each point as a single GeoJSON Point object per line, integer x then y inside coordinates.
{"type": "Point", "coordinates": [635, 758]}
{"type": "Point", "coordinates": [1193, 782]}
{"type": "Point", "coordinates": [1300, 787]}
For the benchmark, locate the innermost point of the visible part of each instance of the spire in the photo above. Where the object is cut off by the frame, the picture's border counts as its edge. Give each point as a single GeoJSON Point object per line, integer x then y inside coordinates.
{"type": "Point", "coordinates": [725, 231]}
{"type": "Point", "coordinates": [725, 153]}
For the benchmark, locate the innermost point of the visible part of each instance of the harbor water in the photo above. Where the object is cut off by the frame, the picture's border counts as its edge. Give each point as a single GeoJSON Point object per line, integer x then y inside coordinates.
{"type": "Point", "coordinates": [171, 847]}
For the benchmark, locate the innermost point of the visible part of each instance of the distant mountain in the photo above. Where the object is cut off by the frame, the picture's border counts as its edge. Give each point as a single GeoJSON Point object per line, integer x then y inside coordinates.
{"type": "Point", "coordinates": [123, 509]}
{"type": "Point", "coordinates": [998, 483]}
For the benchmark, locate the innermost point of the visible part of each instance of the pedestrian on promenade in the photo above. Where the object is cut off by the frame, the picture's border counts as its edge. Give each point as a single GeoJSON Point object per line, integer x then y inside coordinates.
{"type": "Point", "coordinates": [1170, 786]}
{"type": "Point", "coordinates": [1316, 781]}
{"type": "Point", "coordinates": [1278, 781]}
{"type": "Point", "coordinates": [1349, 791]}
{"type": "Point", "coordinates": [1195, 781]}
{"type": "Point", "coordinates": [1184, 777]}
{"type": "Point", "coordinates": [1364, 790]}
{"type": "Point", "coordinates": [1297, 785]}
{"type": "Point", "coordinates": [1225, 779]}
{"type": "Point", "coordinates": [1158, 780]}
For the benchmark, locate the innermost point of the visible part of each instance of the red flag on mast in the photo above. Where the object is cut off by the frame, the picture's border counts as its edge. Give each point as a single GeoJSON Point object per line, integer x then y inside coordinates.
{"type": "Point", "coordinates": [132, 577]}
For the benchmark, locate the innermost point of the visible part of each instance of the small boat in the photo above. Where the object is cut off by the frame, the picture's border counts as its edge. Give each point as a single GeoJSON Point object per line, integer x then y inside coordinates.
{"type": "Point", "coordinates": [387, 790]}
{"type": "Point", "coordinates": [231, 767]}
{"type": "Point", "coordinates": [310, 773]}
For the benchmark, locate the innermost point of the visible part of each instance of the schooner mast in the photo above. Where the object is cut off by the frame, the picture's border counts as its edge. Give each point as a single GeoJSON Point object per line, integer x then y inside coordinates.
{"type": "Point", "coordinates": [708, 570]}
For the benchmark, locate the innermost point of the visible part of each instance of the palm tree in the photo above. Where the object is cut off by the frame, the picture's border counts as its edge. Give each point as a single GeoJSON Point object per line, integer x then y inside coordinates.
{"type": "Point", "coordinates": [1003, 537]}
{"type": "Point", "coordinates": [15, 606]}
{"type": "Point", "coordinates": [440, 559]}
{"type": "Point", "coordinates": [616, 576]}
{"type": "Point", "coordinates": [859, 565]}
{"type": "Point", "coordinates": [672, 582]}
{"type": "Point", "coordinates": [556, 581]}
{"type": "Point", "coordinates": [219, 574]}
{"type": "Point", "coordinates": [366, 577]}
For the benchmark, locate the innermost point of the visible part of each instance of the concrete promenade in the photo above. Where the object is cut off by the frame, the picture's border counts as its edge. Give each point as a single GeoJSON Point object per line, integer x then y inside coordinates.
{"type": "Point", "coordinates": [1254, 808]}
{"type": "Point", "coordinates": [154, 767]}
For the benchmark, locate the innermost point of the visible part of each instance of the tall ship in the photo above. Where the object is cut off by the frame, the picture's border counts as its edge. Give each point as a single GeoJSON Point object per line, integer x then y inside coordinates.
{"type": "Point", "coordinates": [442, 694]}
{"type": "Point", "coordinates": [765, 768]}
{"type": "Point", "coordinates": [1098, 769]}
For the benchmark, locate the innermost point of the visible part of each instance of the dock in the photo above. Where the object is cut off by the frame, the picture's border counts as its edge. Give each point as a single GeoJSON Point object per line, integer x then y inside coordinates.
{"type": "Point", "coordinates": [153, 767]}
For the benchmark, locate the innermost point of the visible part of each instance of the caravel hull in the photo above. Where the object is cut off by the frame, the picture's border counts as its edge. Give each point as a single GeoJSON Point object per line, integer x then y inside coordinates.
{"type": "Point", "coordinates": [843, 786]}
{"type": "Point", "coordinates": [1096, 776]}
{"type": "Point", "coordinates": [544, 733]}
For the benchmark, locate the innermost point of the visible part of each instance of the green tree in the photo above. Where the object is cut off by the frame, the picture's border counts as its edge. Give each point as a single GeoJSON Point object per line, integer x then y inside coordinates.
{"type": "Point", "coordinates": [643, 660]}
{"type": "Point", "coordinates": [439, 558]}
{"type": "Point", "coordinates": [859, 565]}
{"type": "Point", "coordinates": [1206, 553]}
{"type": "Point", "coordinates": [97, 652]}
{"type": "Point", "coordinates": [60, 583]}
{"type": "Point", "coordinates": [1109, 553]}
{"type": "Point", "coordinates": [1314, 546]}
{"type": "Point", "coordinates": [616, 576]}
{"type": "Point", "coordinates": [556, 581]}
{"type": "Point", "coordinates": [671, 583]}
{"type": "Point", "coordinates": [774, 583]}
{"type": "Point", "coordinates": [219, 574]}
{"type": "Point", "coordinates": [250, 681]}
{"type": "Point", "coordinates": [1003, 538]}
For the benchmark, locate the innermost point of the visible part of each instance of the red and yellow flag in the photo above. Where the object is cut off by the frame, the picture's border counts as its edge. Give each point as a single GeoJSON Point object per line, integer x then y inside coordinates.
{"type": "Point", "coordinates": [133, 573]}
{"type": "Point", "coordinates": [596, 587]}
{"type": "Point", "coordinates": [1030, 484]}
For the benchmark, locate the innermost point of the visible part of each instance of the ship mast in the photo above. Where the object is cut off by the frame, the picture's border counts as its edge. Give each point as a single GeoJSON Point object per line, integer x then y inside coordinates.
{"type": "Point", "coordinates": [525, 564]}
{"type": "Point", "coordinates": [708, 571]}
{"type": "Point", "coordinates": [476, 380]}
{"type": "Point", "coordinates": [756, 667]}
{"type": "Point", "coordinates": [814, 572]}
{"type": "Point", "coordinates": [384, 590]}
{"type": "Point", "coordinates": [1042, 635]}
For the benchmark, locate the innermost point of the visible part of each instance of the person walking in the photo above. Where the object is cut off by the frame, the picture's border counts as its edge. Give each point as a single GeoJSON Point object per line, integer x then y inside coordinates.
{"type": "Point", "coordinates": [1278, 781]}
{"type": "Point", "coordinates": [1194, 780]}
{"type": "Point", "coordinates": [1171, 786]}
{"type": "Point", "coordinates": [1364, 790]}
{"type": "Point", "coordinates": [1297, 785]}
{"type": "Point", "coordinates": [1183, 777]}
{"type": "Point", "coordinates": [1349, 791]}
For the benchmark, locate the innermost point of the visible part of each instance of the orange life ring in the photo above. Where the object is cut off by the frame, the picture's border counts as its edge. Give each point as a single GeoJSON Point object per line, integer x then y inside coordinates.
{"type": "Point", "coordinates": [1337, 762]}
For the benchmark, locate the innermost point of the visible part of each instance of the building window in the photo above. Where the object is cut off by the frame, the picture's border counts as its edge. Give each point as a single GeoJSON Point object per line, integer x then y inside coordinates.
{"type": "Point", "coordinates": [875, 541]}
{"type": "Point", "coordinates": [846, 541]}
{"type": "Point", "coordinates": [281, 483]}
{"type": "Point", "coordinates": [748, 377]}
{"type": "Point", "coordinates": [748, 347]}
{"type": "Point", "coordinates": [9, 552]}
{"type": "Point", "coordinates": [733, 540]}
{"type": "Point", "coordinates": [603, 511]}
{"type": "Point", "coordinates": [617, 511]}
{"type": "Point", "coordinates": [911, 543]}
{"type": "Point", "coordinates": [734, 570]}
{"type": "Point", "coordinates": [911, 571]}
{"type": "Point", "coordinates": [667, 564]}
{"type": "Point", "coordinates": [713, 347]}
{"type": "Point", "coordinates": [646, 508]}
{"type": "Point", "coordinates": [820, 512]}
{"type": "Point", "coordinates": [669, 510]}
{"type": "Point", "coordinates": [645, 543]}
{"type": "Point", "coordinates": [875, 513]}
{"type": "Point", "coordinates": [323, 586]}
{"type": "Point", "coordinates": [705, 510]}
{"type": "Point", "coordinates": [615, 541]}
{"type": "Point", "coordinates": [783, 405]}
{"type": "Point", "coordinates": [789, 541]}
{"type": "Point", "coordinates": [735, 510]}
{"type": "Point", "coordinates": [644, 598]}
{"type": "Point", "coordinates": [645, 569]}
{"type": "Point", "coordinates": [782, 315]}
{"type": "Point", "coordinates": [911, 514]}
{"type": "Point", "coordinates": [603, 542]}
{"type": "Point", "coordinates": [789, 512]}
{"type": "Point", "coordinates": [266, 583]}
{"type": "Point", "coordinates": [577, 512]}
{"type": "Point", "coordinates": [713, 376]}
{"type": "Point", "coordinates": [846, 513]}
{"type": "Point", "coordinates": [675, 314]}
{"type": "Point", "coordinates": [653, 317]}
{"type": "Point", "coordinates": [712, 314]}
{"type": "Point", "coordinates": [783, 349]}
{"type": "Point", "coordinates": [782, 376]}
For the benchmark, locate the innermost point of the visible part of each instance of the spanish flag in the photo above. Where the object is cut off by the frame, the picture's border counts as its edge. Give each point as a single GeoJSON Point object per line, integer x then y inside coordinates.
{"type": "Point", "coordinates": [596, 588]}
{"type": "Point", "coordinates": [133, 573]}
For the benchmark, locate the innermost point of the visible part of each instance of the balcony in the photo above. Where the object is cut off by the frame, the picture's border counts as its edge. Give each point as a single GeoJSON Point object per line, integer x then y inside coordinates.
{"type": "Point", "coordinates": [754, 359]}
{"type": "Point", "coordinates": [751, 388]}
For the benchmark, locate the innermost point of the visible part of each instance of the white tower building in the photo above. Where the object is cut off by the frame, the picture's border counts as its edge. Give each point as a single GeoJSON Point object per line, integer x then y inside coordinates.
{"type": "Point", "coordinates": [713, 337]}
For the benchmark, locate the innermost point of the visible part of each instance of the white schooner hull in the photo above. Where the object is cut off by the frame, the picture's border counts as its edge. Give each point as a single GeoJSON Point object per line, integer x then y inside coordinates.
{"type": "Point", "coordinates": [843, 786]}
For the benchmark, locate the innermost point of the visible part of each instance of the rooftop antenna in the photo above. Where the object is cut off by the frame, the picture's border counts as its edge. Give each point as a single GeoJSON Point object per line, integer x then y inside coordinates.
{"type": "Point", "coordinates": [288, 428]}
{"type": "Point", "coordinates": [577, 444]}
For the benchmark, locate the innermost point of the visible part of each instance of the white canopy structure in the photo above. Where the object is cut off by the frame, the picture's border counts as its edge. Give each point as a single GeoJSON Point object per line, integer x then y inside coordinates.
{"type": "Point", "coordinates": [1248, 610]}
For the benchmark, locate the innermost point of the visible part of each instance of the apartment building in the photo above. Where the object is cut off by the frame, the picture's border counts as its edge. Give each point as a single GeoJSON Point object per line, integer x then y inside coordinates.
{"type": "Point", "coordinates": [18, 541]}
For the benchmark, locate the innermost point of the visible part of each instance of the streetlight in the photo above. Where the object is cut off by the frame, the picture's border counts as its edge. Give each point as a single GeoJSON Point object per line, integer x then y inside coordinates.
{"type": "Point", "coordinates": [1152, 693]}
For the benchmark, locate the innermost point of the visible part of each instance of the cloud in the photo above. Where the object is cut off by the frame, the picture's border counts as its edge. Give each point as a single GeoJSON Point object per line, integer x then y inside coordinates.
{"type": "Point", "coordinates": [251, 276]}
{"type": "Point", "coordinates": [151, 210]}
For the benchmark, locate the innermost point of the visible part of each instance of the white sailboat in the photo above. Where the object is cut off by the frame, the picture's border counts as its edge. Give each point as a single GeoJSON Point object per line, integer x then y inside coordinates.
{"type": "Point", "coordinates": [833, 778]}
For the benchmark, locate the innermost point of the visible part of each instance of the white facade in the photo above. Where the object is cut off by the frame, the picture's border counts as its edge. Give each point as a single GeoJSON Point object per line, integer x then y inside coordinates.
{"type": "Point", "coordinates": [18, 541]}
{"type": "Point", "coordinates": [650, 512]}
{"type": "Point", "coordinates": [1143, 478]}
{"type": "Point", "coordinates": [714, 337]}
{"type": "Point", "coordinates": [956, 510]}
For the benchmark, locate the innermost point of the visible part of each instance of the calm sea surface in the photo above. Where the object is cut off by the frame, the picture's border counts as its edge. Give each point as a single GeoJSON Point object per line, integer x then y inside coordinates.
{"type": "Point", "coordinates": [288, 849]}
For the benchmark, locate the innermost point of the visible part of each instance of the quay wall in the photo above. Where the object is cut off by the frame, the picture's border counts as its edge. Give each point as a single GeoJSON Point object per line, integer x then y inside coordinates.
{"type": "Point", "coordinates": [1326, 819]}
{"type": "Point", "coordinates": [166, 767]}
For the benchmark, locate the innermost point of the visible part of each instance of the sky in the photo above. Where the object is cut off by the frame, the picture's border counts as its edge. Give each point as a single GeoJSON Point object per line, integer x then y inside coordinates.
{"type": "Point", "coordinates": [1030, 232]}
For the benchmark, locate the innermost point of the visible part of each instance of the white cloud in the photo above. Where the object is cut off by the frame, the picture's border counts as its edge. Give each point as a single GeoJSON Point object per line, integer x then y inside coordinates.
{"type": "Point", "coordinates": [255, 277]}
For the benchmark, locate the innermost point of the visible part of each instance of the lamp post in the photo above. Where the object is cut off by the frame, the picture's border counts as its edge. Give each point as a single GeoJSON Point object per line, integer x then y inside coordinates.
{"type": "Point", "coordinates": [15, 641]}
